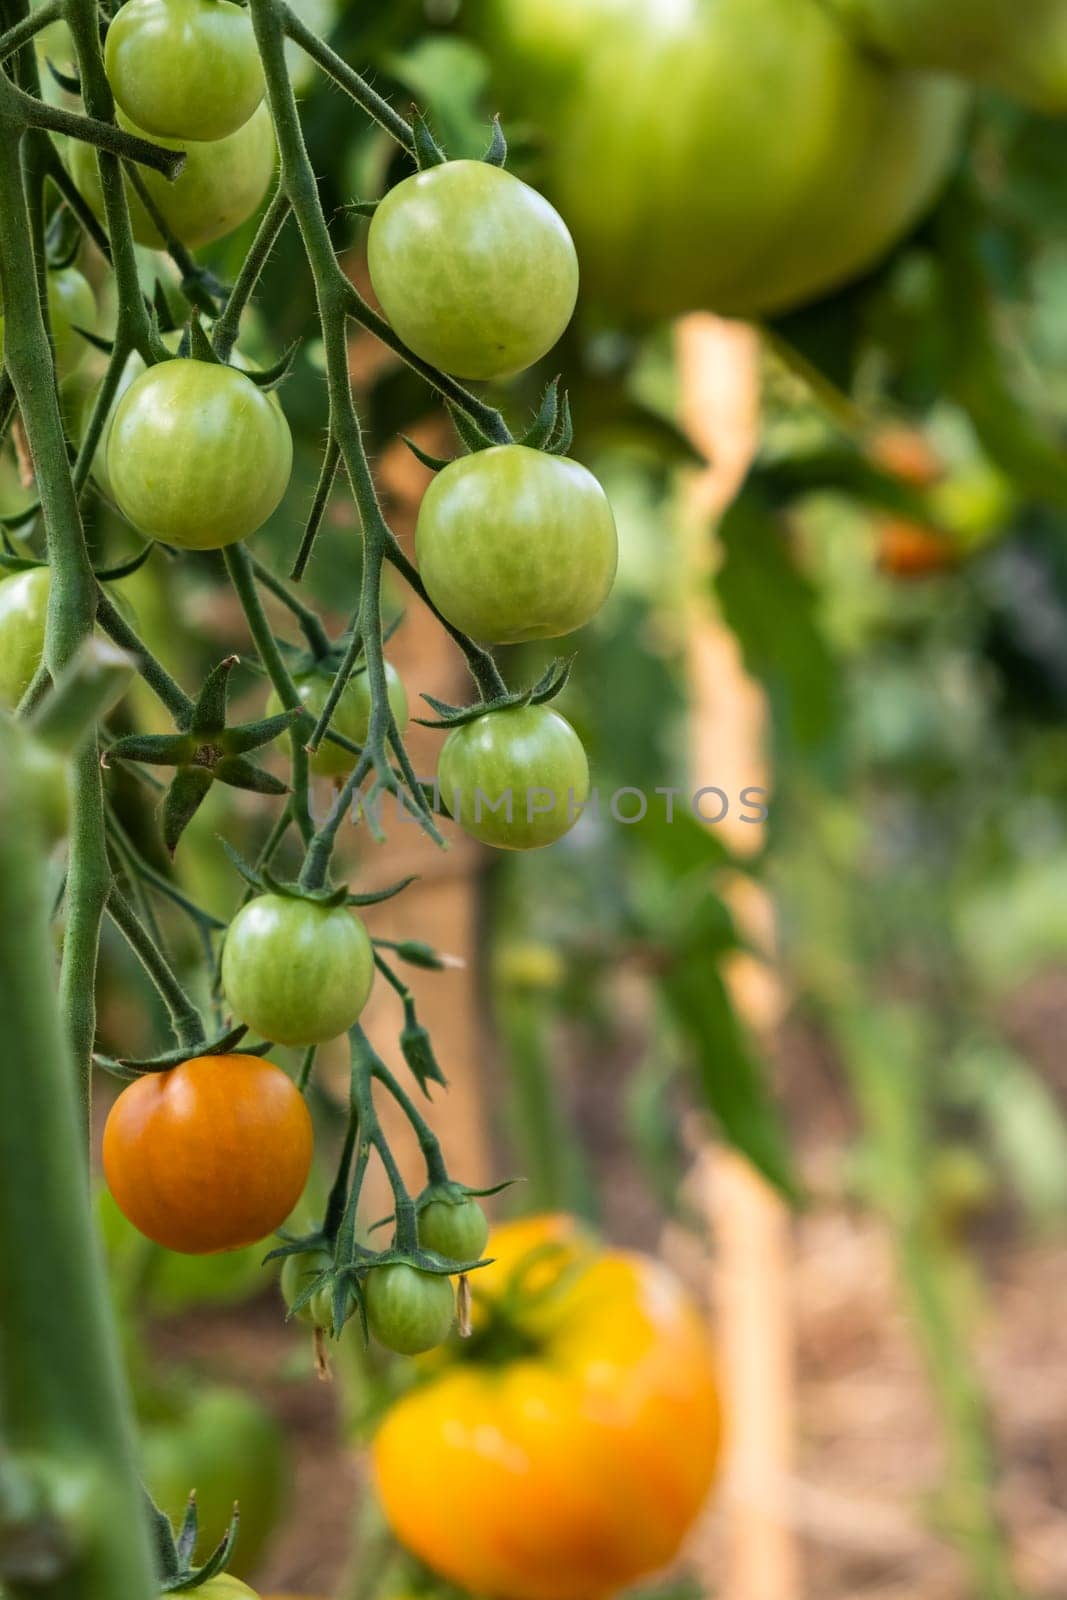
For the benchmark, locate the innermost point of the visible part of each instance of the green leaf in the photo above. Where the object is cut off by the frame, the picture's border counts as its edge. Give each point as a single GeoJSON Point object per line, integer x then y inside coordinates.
{"type": "Point", "coordinates": [771, 606]}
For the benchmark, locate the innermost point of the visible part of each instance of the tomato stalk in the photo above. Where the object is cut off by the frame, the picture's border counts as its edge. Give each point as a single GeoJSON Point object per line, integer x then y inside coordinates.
{"type": "Point", "coordinates": [69, 1498]}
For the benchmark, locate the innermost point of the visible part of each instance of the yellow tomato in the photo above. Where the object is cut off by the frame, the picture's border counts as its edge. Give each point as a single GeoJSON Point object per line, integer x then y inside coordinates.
{"type": "Point", "coordinates": [567, 1449]}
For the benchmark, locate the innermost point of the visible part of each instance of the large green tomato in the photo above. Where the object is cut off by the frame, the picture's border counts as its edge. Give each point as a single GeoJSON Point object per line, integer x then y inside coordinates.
{"type": "Point", "coordinates": [1019, 48]}
{"type": "Point", "coordinates": [23, 609]}
{"type": "Point", "coordinates": [189, 69]}
{"type": "Point", "coordinates": [221, 184]}
{"type": "Point", "coordinates": [351, 717]}
{"type": "Point", "coordinates": [296, 971]}
{"type": "Point", "coordinates": [71, 306]}
{"type": "Point", "coordinates": [197, 455]}
{"type": "Point", "coordinates": [474, 269]}
{"type": "Point", "coordinates": [226, 1447]}
{"type": "Point", "coordinates": [514, 544]}
{"type": "Point", "coordinates": [740, 156]}
{"type": "Point", "coordinates": [516, 778]}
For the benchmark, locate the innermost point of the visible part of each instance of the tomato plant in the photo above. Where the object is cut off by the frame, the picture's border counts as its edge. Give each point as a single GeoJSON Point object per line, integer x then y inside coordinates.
{"type": "Point", "coordinates": [515, 544]}
{"type": "Point", "coordinates": [474, 269]}
{"type": "Point", "coordinates": [654, 235]}
{"type": "Point", "coordinates": [155, 54]}
{"type": "Point", "coordinates": [211, 1155]}
{"type": "Point", "coordinates": [585, 1370]}
{"type": "Point", "coordinates": [297, 971]}
{"type": "Point", "coordinates": [23, 607]}
{"type": "Point", "coordinates": [197, 454]}
{"type": "Point", "coordinates": [220, 185]}
{"type": "Point", "coordinates": [351, 717]}
{"type": "Point", "coordinates": [515, 778]}
{"type": "Point", "coordinates": [407, 1310]}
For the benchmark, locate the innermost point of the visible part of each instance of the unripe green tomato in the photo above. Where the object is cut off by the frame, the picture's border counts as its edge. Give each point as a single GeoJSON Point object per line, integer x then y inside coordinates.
{"type": "Point", "coordinates": [23, 612]}
{"type": "Point", "coordinates": [514, 544]}
{"type": "Point", "coordinates": [297, 1273]}
{"type": "Point", "coordinates": [49, 775]}
{"type": "Point", "coordinates": [475, 270]}
{"type": "Point", "coordinates": [221, 184]}
{"type": "Point", "coordinates": [516, 778]}
{"type": "Point", "coordinates": [71, 305]}
{"type": "Point", "coordinates": [198, 456]}
{"type": "Point", "coordinates": [407, 1310]}
{"type": "Point", "coordinates": [225, 1587]}
{"type": "Point", "coordinates": [351, 717]}
{"type": "Point", "coordinates": [455, 1229]}
{"type": "Point", "coordinates": [296, 971]}
{"type": "Point", "coordinates": [187, 69]}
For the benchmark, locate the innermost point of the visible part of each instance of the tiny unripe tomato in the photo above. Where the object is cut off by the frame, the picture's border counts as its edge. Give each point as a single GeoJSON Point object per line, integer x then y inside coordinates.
{"type": "Point", "coordinates": [296, 971]}
{"type": "Point", "coordinates": [408, 1311]}
{"type": "Point", "coordinates": [197, 455]}
{"type": "Point", "coordinates": [209, 1156]}
{"type": "Point", "coordinates": [189, 69]}
{"type": "Point", "coordinates": [351, 716]}
{"type": "Point", "coordinates": [71, 305]}
{"type": "Point", "coordinates": [221, 184]}
{"type": "Point", "coordinates": [475, 270]}
{"type": "Point", "coordinates": [225, 1587]}
{"type": "Point", "coordinates": [514, 544]}
{"type": "Point", "coordinates": [455, 1229]}
{"type": "Point", "coordinates": [298, 1272]}
{"type": "Point", "coordinates": [23, 611]}
{"type": "Point", "coordinates": [515, 779]}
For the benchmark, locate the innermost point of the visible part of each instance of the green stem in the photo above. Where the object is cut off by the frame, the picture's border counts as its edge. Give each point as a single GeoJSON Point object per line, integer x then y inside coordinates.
{"type": "Point", "coordinates": [429, 1144]}
{"type": "Point", "coordinates": [353, 84]}
{"type": "Point", "coordinates": [72, 599]}
{"type": "Point", "coordinates": [67, 1415]}
{"type": "Point", "coordinates": [314, 632]}
{"type": "Point", "coordinates": [366, 1063]}
{"type": "Point", "coordinates": [22, 32]}
{"type": "Point", "coordinates": [242, 576]}
{"type": "Point", "coordinates": [224, 335]}
{"type": "Point", "coordinates": [184, 1016]}
{"type": "Point", "coordinates": [166, 690]}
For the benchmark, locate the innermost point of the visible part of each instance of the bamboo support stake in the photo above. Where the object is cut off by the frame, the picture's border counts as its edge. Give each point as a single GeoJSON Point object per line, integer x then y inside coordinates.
{"type": "Point", "coordinates": [720, 398]}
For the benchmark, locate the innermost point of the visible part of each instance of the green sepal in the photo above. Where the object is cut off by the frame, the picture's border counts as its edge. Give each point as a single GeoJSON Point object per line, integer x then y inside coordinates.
{"type": "Point", "coordinates": [237, 772]}
{"type": "Point", "coordinates": [251, 735]}
{"type": "Point", "coordinates": [271, 377]}
{"type": "Point", "coordinates": [418, 954]}
{"type": "Point", "coordinates": [363, 208]}
{"type": "Point", "coordinates": [374, 897]}
{"type": "Point", "coordinates": [209, 714]}
{"type": "Point", "coordinates": [200, 346]}
{"type": "Point", "coordinates": [164, 314]}
{"type": "Point", "coordinates": [192, 1579]}
{"type": "Point", "coordinates": [154, 749]}
{"type": "Point", "coordinates": [468, 430]}
{"type": "Point", "coordinates": [124, 568]}
{"type": "Point", "coordinates": [249, 874]}
{"type": "Point", "coordinates": [435, 463]}
{"type": "Point", "coordinates": [16, 563]}
{"type": "Point", "coordinates": [187, 1533]}
{"type": "Point", "coordinates": [497, 153]}
{"type": "Point", "coordinates": [563, 437]}
{"type": "Point", "coordinates": [422, 1261]}
{"type": "Point", "coordinates": [66, 80]}
{"type": "Point", "coordinates": [221, 1045]}
{"type": "Point", "coordinates": [98, 342]}
{"type": "Point", "coordinates": [184, 798]}
{"type": "Point", "coordinates": [326, 896]}
{"type": "Point", "coordinates": [428, 152]}
{"type": "Point", "coordinates": [544, 423]}
{"type": "Point", "coordinates": [551, 683]}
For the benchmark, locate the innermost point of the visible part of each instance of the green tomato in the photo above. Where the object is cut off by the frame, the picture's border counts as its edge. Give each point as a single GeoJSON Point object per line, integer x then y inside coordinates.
{"type": "Point", "coordinates": [49, 775]}
{"type": "Point", "coordinates": [220, 186]}
{"type": "Point", "coordinates": [351, 718]}
{"type": "Point", "coordinates": [296, 971]}
{"type": "Point", "coordinates": [297, 1273]}
{"type": "Point", "coordinates": [739, 156]}
{"type": "Point", "coordinates": [407, 1310]}
{"type": "Point", "coordinates": [475, 270]}
{"type": "Point", "coordinates": [514, 778]}
{"type": "Point", "coordinates": [23, 611]}
{"type": "Point", "coordinates": [228, 1447]}
{"type": "Point", "coordinates": [71, 305]}
{"type": "Point", "coordinates": [455, 1228]}
{"type": "Point", "coordinates": [226, 1587]}
{"type": "Point", "coordinates": [1021, 49]}
{"type": "Point", "coordinates": [198, 456]}
{"type": "Point", "coordinates": [514, 544]}
{"type": "Point", "coordinates": [189, 69]}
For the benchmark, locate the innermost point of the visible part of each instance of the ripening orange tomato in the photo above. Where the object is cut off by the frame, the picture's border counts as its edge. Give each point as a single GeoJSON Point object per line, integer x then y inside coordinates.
{"type": "Point", "coordinates": [211, 1155]}
{"type": "Point", "coordinates": [565, 1450]}
{"type": "Point", "coordinates": [908, 550]}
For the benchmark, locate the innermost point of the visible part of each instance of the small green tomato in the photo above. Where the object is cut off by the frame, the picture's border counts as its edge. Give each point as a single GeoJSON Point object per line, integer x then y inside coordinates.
{"type": "Point", "coordinates": [407, 1310]}
{"type": "Point", "coordinates": [351, 718]}
{"type": "Point", "coordinates": [456, 1229]}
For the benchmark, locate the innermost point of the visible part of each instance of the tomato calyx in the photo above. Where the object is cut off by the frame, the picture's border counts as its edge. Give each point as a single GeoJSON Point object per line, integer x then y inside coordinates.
{"type": "Point", "coordinates": [174, 1554]}
{"type": "Point", "coordinates": [339, 895]}
{"type": "Point", "coordinates": [551, 683]}
{"type": "Point", "coordinates": [205, 751]}
{"type": "Point", "coordinates": [128, 1068]}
